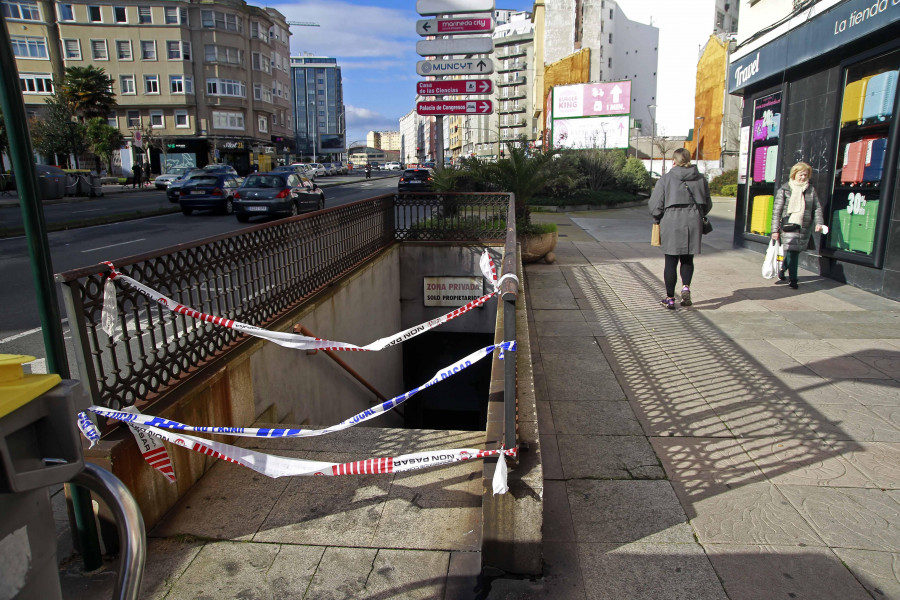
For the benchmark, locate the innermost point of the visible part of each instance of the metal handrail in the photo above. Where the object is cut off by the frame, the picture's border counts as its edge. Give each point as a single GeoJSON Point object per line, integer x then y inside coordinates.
{"type": "Point", "coordinates": [509, 293]}
{"type": "Point", "coordinates": [129, 522]}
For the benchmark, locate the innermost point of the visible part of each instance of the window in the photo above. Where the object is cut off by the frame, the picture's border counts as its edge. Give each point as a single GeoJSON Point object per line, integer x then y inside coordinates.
{"type": "Point", "coordinates": [133, 119]}
{"type": "Point", "coordinates": [145, 17]}
{"type": "Point", "coordinates": [112, 120]}
{"type": "Point", "coordinates": [260, 62]}
{"type": "Point", "coordinates": [181, 84]}
{"type": "Point", "coordinates": [66, 13]}
{"type": "Point", "coordinates": [220, 20]}
{"type": "Point", "coordinates": [262, 93]}
{"type": "Point", "coordinates": [126, 85]}
{"type": "Point", "coordinates": [148, 50]}
{"type": "Point", "coordinates": [98, 50]}
{"type": "Point", "coordinates": [119, 15]}
{"type": "Point", "coordinates": [223, 54]}
{"type": "Point", "coordinates": [123, 49]}
{"type": "Point", "coordinates": [151, 84]}
{"type": "Point", "coordinates": [228, 120]}
{"type": "Point", "coordinates": [181, 119]}
{"type": "Point", "coordinates": [720, 21]}
{"type": "Point", "coordinates": [28, 47]}
{"type": "Point", "coordinates": [173, 50]}
{"type": "Point", "coordinates": [72, 49]}
{"type": "Point", "coordinates": [157, 120]}
{"type": "Point", "coordinates": [36, 84]}
{"type": "Point", "coordinates": [263, 123]}
{"type": "Point", "coordinates": [610, 38]}
{"type": "Point", "coordinates": [226, 87]}
{"type": "Point", "coordinates": [171, 15]}
{"type": "Point", "coordinates": [94, 15]}
{"type": "Point", "coordinates": [27, 10]}
{"type": "Point", "coordinates": [183, 12]}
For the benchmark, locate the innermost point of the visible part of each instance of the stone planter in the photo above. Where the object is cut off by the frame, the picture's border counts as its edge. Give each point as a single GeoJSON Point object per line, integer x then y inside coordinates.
{"type": "Point", "coordinates": [536, 247]}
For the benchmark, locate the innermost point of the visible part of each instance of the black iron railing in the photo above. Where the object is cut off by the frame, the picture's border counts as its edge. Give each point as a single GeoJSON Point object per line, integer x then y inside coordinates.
{"type": "Point", "coordinates": [254, 276]}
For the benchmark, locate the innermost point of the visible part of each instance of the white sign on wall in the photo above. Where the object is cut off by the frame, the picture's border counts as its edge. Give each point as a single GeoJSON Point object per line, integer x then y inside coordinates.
{"type": "Point", "coordinates": [591, 132]}
{"type": "Point", "coordinates": [452, 291]}
{"type": "Point", "coordinates": [744, 154]}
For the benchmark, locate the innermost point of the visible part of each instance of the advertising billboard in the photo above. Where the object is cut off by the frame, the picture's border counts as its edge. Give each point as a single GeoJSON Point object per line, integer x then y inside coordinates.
{"type": "Point", "coordinates": [591, 115]}
{"type": "Point", "coordinates": [330, 143]}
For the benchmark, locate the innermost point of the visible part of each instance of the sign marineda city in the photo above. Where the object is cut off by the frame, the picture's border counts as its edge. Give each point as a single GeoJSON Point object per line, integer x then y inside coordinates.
{"type": "Point", "coordinates": [467, 45]}
{"type": "Point", "coordinates": [591, 115]}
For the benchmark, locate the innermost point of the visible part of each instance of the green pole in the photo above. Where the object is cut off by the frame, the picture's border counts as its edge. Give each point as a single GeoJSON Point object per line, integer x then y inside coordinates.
{"type": "Point", "coordinates": [20, 154]}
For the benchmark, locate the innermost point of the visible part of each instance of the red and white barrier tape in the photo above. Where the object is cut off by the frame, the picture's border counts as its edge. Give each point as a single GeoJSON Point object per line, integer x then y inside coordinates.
{"type": "Point", "coordinates": [274, 466]}
{"type": "Point", "coordinates": [293, 340]}
{"type": "Point", "coordinates": [153, 451]}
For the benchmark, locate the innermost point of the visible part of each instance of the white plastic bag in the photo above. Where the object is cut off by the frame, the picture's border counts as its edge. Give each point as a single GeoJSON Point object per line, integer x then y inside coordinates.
{"type": "Point", "coordinates": [770, 264]}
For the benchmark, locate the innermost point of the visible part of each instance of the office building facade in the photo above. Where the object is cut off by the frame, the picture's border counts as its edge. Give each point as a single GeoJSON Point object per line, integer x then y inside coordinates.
{"type": "Point", "coordinates": [320, 127]}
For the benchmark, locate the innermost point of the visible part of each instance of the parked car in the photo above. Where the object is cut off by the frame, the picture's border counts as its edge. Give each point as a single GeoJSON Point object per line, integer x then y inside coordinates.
{"type": "Point", "coordinates": [219, 168]}
{"type": "Point", "coordinates": [209, 191]}
{"type": "Point", "coordinates": [276, 193]}
{"type": "Point", "coordinates": [318, 169]}
{"type": "Point", "coordinates": [392, 166]}
{"type": "Point", "coordinates": [305, 170]}
{"type": "Point", "coordinates": [163, 181]}
{"type": "Point", "coordinates": [288, 169]}
{"type": "Point", "coordinates": [428, 164]}
{"type": "Point", "coordinates": [415, 180]}
{"type": "Point", "coordinates": [329, 169]}
{"type": "Point", "coordinates": [341, 168]}
{"type": "Point", "coordinates": [174, 189]}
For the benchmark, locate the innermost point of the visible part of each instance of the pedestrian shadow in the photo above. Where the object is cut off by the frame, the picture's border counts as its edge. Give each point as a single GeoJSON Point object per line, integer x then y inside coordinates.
{"type": "Point", "coordinates": [769, 290]}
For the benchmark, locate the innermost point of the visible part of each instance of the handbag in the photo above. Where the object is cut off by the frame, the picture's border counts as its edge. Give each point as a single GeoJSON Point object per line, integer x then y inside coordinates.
{"type": "Point", "coordinates": [705, 224]}
{"type": "Point", "coordinates": [655, 239]}
{"type": "Point", "coordinates": [771, 264]}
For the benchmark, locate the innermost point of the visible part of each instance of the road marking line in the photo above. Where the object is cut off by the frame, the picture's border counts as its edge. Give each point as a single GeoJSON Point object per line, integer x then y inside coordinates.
{"type": "Point", "coordinates": [22, 334]}
{"type": "Point", "coordinates": [113, 245]}
{"type": "Point", "coordinates": [75, 212]}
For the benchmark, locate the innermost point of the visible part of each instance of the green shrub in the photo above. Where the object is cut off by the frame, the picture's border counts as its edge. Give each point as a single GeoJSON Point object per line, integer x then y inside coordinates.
{"type": "Point", "coordinates": [726, 178]}
{"type": "Point", "coordinates": [728, 190]}
{"type": "Point", "coordinates": [634, 175]}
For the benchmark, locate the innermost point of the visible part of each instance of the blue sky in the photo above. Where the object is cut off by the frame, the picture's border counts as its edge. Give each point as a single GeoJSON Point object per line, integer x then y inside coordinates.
{"type": "Point", "coordinates": [374, 42]}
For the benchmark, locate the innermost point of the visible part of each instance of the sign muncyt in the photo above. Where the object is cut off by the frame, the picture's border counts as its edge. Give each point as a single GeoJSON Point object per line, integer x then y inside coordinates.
{"type": "Point", "coordinates": [461, 66]}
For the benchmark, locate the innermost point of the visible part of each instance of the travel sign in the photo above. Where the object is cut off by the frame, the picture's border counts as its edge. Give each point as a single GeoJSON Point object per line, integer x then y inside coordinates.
{"type": "Point", "coordinates": [463, 66]}
{"type": "Point", "coordinates": [454, 46]}
{"type": "Point", "coordinates": [455, 107]}
{"type": "Point", "coordinates": [447, 7]}
{"type": "Point", "coordinates": [456, 86]}
{"type": "Point", "coordinates": [474, 24]}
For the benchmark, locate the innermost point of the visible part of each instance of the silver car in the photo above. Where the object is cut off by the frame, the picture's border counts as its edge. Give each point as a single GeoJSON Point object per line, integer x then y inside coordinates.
{"type": "Point", "coordinates": [318, 169]}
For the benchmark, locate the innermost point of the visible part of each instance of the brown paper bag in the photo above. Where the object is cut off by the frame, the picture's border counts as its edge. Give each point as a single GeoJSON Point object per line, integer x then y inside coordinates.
{"type": "Point", "coordinates": [654, 235]}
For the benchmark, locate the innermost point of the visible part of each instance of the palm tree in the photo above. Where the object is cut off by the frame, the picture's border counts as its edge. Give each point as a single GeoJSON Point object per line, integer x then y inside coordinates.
{"type": "Point", "coordinates": [520, 174]}
{"type": "Point", "coordinates": [88, 92]}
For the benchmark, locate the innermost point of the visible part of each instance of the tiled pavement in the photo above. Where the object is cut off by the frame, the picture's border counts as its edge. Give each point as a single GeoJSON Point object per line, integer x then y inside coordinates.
{"type": "Point", "coordinates": [747, 447]}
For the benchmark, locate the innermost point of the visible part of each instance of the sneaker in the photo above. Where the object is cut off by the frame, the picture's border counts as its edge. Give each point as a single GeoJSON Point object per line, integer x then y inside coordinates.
{"type": "Point", "coordinates": [668, 303]}
{"type": "Point", "coordinates": [793, 284]}
{"type": "Point", "coordinates": [686, 296]}
{"type": "Point", "coordinates": [781, 275]}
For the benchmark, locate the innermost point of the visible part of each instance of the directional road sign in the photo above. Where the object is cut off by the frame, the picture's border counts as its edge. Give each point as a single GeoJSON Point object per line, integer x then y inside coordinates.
{"type": "Point", "coordinates": [454, 46]}
{"type": "Point", "coordinates": [456, 86]}
{"type": "Point", "coordinates": [463, 66]}
{"type": "Point", "coordinates": [473, 24]}
{"type": "Point", "coordinates": [455, 107]}
{"type": "Point", "coordinates": [441, 7]}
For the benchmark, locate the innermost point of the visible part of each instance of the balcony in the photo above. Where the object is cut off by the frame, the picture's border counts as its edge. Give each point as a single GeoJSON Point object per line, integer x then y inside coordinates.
{"type": "Point", "coordinates": [512, 95]}
{"type": "Point", "coordinates": [511, 110]}
{"type": "Point", "coordinates": [509, 52]}
{"type": "Point", "coordinates": [519, 66]}
{"type": "Point", "coordinates": [503, 81]}
{"type": "Point", "coordinates": [513, 123]}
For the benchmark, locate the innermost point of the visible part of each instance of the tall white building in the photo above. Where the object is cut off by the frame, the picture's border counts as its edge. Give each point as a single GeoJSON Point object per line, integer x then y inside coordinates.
{"type": "Point", "coordinates": [620, 48]}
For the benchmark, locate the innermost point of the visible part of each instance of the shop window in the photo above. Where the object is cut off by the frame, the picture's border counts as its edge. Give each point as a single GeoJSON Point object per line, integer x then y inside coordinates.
{"type": "Point", "coordinates": [763, 171]}
{"type": "Point", "coordinates": [867, 110]}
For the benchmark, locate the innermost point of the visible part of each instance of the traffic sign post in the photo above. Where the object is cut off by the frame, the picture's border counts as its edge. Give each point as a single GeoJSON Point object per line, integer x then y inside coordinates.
{"type": "Point", "coordinates": [474, 24]}
{"type": "Point", "coordinates": [455, 107]}
{"type": "Point", "coordinates": [449, 7]}
{"type": "Point", "coordinates": [455, 46]}
{"type": "Point", "coordinates": [462, 66]}
{"type": "Point", "coordinates": [458, 86]}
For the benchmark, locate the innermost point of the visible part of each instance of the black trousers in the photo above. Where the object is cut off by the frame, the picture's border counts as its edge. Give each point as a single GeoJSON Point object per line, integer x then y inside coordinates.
{"type": "Point", "coordinates": [670, 275]}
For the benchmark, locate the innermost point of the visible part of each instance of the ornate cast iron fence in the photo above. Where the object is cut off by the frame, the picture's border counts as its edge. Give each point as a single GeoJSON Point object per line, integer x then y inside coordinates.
{"type": "Point", "coordinates": [254, 276]}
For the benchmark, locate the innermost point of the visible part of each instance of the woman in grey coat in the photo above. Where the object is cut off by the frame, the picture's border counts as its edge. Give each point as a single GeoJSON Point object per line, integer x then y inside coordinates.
{"type": "Point", "coordinates": [678, 203]}
{"type": "Point", "coordinates": [796, 210]}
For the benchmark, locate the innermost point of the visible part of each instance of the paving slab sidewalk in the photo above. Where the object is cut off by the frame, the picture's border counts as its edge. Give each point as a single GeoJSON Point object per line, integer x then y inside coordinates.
{"type": "Point", "coordinates": [746, 447]}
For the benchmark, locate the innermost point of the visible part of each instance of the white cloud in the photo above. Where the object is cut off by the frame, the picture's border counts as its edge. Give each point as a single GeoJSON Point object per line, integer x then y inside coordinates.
{"type": "Point", "coordinates": [360, 121]}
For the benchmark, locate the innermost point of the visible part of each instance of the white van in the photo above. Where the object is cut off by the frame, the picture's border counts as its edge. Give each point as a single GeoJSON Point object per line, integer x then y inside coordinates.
{"type": "Point", "coordinates": [392, 166]}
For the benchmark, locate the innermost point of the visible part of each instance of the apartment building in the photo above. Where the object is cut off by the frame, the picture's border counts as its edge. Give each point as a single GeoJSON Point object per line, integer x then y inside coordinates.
{"type": "Point", "coordinates": [319, 106]}
{"type": "Point", "coordinates": [208, 82]}
{"type": "Point", "coordinates": [384, 140]}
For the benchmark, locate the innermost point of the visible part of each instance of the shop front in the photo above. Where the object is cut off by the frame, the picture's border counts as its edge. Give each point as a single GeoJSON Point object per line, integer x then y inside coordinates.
{"type": "Point", "coordinates": [179, 153]}
{"type": "Point", "coordinates": [824, 93]}
{"type": "Point", "coordinates": [234, 152]}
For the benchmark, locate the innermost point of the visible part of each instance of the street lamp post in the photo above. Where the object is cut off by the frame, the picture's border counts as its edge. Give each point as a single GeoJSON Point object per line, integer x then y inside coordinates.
{"type": "Point", "coordinates": [651, 108]}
